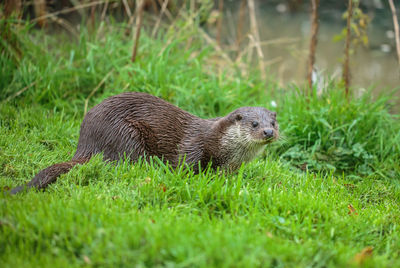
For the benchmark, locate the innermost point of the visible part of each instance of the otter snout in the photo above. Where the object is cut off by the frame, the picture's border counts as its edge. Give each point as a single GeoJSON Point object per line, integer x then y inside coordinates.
{"type": "Point", "coordinates": [268, 133]}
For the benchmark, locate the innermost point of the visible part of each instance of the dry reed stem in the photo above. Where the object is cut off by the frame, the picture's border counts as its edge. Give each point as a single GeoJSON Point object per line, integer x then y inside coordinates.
{"type": "Point", "coordinates": [219, 23]}
{"type": "Point", "coordinates": [279, 41]}
{"type": "Point", "coordinates": [153, 5]}
{"type": "Point", "coordinates": [92, 17]}
{"type": "Point", "coordinates": [396, 28]}
{"type": "Point", "coordinates": [208, 39]}
{"type": "Point", "coordinates": [247, 50]}
{"type": "Point", "coordinates": [281, 70]}
{"type": "Point", "coordinates": [346, 68]}
{"type": "Point", "coordinates": [240, 24]}
{"type": "Point", "coordinates": [216, 46]}
{"type": "Point", "coordinates": [16, 94]}
{"type": "Point", "coordinates": [95, 89]}
{"type": "Point", "coordinates": [68, 10]}
{"type": "Point", "coordinates": [104, 12]}
{"type": "Point", "coordinates": [40, 11]}
{"type": "Point", "coordinates": [230, 36]}
{"type": "Point", "coordinates": [11, 6]}
{"type": "Point", "coordinates": [68, 26]}
{"type": "Point", "coordinates": [130, 23]}
{"type": "Point", "coordinates": [127, 9]}
{"type": "Point", "coordinates": [313, 43]}
{"type": "Point", "coordinates": [172, 26]}
{"type": "Point", "coordinates": [192, 15]}
{"type": "Point", "coordinates": [163, 8]}
{"type": "Point", "coordinates": [167, 13]}
{"type": "Point", "coordinates": [80, 11]}
{"type": "Point", "coordinates": [273, 61]}
{"type": "Point", "coordinates": [192, 6]}
{"type": "Point", "coordinates": [102, 17]}
{"type": "Point", "coordinates": [250, 46]}
{"type": "Point", "coordinates": [225, 59]}
{"type": "Point", "coordinates": [126, 86]}
{"type": "Point", "coordinates": [254, 30]}
{"type": "Point", "coordinates": [138, 28]}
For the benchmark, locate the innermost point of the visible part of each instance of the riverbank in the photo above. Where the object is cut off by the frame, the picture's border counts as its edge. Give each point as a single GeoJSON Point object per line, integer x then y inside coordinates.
{"type": "Point", "coordinates": [326, 194]}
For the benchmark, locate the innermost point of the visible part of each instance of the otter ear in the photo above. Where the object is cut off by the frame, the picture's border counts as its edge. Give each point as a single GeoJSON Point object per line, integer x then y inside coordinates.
{"type": "Point", "coordinates": [273, 115]}
{"type": "Point", "coordinates": [238, 117]}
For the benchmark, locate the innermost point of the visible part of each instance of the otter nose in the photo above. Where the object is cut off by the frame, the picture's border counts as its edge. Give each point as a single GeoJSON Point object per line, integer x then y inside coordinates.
{"type": "Point", "coordinates": [268, 133]}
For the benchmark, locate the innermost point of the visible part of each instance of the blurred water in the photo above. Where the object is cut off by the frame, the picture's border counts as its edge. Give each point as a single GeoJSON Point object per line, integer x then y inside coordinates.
{"type": "Point", "coordinates": [375, 66]}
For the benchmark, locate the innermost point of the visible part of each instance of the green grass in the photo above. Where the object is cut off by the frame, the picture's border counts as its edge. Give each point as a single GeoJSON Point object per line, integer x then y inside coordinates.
{"type": "Point", "coordinates": [358, 137]}
{"type": "Point", "coordinates": [269, 213]}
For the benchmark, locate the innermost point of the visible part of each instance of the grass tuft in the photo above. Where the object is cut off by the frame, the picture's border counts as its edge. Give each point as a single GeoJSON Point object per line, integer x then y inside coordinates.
{"type": "Point", "coordinates": [330, 133]}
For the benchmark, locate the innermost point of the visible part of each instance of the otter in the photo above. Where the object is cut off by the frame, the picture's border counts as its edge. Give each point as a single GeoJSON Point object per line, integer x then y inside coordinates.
{"type": "Point", "coordinates": [138, 125]}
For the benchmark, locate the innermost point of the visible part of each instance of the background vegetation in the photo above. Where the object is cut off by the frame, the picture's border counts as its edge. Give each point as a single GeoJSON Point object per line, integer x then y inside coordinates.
{"type": "Point", "coordinates": [326, 194]}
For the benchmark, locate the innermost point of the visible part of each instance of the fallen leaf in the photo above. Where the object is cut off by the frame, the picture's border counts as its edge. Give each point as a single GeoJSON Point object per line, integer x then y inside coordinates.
{"type": "Point", "coordinates": [163, 188]}
{"type": "Point", "coordinates": [7, 223]}
{"type": "Point", "coordinates": [115, 197]}
{"type": "Point", "coordinates": [6, 188]}
{"type": "Point", "coordinates": [349, 186]}
{"type": "Point", "coordinates": [86, 259]}
{"type": "Point", "coordinates": [352, 210]}
{"type": "Point", "coordinates": [269, 234]}
{"type": "Point", "coordinates": [363, 255]}
{"type": "Point", "coordinates": [303, 166]}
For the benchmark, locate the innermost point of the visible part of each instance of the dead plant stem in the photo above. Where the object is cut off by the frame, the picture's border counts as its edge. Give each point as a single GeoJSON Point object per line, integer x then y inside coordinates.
{"type": "Point", "coordinates": [220, 17]}
{"type": "Point", "coordinates": [68, 10]}
{"type": "Point", "coordinates": [396, 28]}
{"type": "Point", "coordinates": [240, 24]}
{"type": "Point", "coordinates": [138, 28]}
{"type": "Point", "coordinates": [163, 8]}
{"type": "Point", "coordinates": [346, 67]}
{"type": "Point", "coordinates": [255, 33]}
{"type": "Point", "coordinates": [96, 88]}
{"type": "Point", "coordinates": [313, 43]}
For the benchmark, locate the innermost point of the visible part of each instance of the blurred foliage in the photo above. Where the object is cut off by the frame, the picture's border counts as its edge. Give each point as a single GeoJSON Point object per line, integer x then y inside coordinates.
{"type": "Point", "coordinates": [359, 27]}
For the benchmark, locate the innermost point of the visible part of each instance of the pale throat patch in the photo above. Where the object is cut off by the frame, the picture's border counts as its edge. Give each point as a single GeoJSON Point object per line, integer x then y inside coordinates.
{"type": "Point", "coordinates": [238, 144]}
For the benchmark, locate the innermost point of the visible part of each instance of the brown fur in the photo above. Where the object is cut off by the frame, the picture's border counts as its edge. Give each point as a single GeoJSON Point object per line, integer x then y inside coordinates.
{"type": "Point", "coordinates": [141, 125]}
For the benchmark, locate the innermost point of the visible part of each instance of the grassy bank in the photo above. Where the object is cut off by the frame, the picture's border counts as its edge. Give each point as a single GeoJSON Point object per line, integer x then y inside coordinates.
{"type": "Point", "coordinates": [326, 191]}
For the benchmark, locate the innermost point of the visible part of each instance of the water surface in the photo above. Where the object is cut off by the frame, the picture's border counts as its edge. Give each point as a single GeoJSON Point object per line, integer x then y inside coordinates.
{"type": "Point", "coordinates": [374, 66]}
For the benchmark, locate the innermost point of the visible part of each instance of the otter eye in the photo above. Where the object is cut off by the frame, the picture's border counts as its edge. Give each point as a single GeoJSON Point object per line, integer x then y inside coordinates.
{"type": "Point", "coordinates": [254, 124]}
{"type": "Point", "coordinates": [273, 124]}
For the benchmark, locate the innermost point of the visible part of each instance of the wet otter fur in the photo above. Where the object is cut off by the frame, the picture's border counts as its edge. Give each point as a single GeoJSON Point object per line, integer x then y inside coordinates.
{"type": "Point", "coordinates": [141, 125]}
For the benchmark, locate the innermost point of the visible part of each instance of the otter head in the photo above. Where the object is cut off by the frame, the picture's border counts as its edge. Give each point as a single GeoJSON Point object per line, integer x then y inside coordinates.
{"type": "Point", "coordinates": [256, 123]}
{"type": "Point", "coordinates": [247, 131]}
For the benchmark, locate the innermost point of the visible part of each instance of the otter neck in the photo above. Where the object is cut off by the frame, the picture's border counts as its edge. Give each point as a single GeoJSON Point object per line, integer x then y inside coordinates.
{"type": "Point", "coordinates": [237, 146]}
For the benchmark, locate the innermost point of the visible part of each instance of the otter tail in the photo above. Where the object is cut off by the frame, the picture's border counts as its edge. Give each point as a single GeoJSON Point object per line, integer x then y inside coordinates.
{"type": "Point", "coordinates": [49, 175]}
